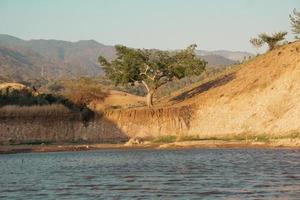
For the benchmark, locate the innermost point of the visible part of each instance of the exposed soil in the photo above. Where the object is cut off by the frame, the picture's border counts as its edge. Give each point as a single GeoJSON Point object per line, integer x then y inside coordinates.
{"type": "Point", "coordinates": [12, 149]}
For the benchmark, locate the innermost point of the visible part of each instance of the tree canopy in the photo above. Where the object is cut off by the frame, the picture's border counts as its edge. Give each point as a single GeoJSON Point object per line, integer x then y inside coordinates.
{"type": "Point", "coordinates": [151, 67]}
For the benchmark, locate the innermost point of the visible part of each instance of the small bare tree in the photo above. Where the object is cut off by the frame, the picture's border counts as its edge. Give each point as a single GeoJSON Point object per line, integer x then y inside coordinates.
{"type": "Point", "coordinates": [271, 40]}
{"type": "Point", "coordinates": [295, 22]}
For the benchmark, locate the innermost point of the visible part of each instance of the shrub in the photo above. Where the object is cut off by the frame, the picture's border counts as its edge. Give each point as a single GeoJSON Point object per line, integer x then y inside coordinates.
{"type": "Point", "coordinates": [81, 92]}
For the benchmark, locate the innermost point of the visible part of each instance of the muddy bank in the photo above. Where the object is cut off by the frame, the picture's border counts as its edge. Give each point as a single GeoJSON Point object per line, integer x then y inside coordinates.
{"type": "Point", "coordinates": [287, 143]}
{"type": "Point", "coordinates": [12, 149]}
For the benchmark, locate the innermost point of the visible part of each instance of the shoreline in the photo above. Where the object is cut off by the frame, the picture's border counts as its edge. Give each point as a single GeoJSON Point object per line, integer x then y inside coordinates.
{"type": "Point", "coordinates": [42, 148]}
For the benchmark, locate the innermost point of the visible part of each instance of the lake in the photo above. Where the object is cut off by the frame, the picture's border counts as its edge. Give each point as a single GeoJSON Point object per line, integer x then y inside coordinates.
{"type": "Point", "coordinates": [152, 174]}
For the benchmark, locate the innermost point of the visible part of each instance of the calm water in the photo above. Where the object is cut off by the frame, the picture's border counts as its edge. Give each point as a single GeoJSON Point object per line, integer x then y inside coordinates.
{"type": "Point", "coordinates": [152, 174]}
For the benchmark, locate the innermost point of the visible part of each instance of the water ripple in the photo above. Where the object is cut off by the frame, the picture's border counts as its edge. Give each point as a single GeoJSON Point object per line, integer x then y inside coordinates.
{"type": "Point", "coordinates": [152, 174]}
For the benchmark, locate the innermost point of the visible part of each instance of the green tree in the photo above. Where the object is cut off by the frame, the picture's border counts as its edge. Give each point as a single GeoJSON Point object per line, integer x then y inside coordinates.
{"type": "Point", "coordinates": [271, 40]}
{"type": "Point", "coordinates": [151, 68]}
{"type": "Point", "coordinates": [295, 22]}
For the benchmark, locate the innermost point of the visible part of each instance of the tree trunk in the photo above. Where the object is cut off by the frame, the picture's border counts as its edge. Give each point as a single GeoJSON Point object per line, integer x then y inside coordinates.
{"type": "Point", "coordinates": [150, 98]}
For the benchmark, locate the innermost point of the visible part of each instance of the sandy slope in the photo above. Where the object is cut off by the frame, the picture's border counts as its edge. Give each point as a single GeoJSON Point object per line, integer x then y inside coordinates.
{"type": "Point", "coordinates": [263, 96]}
{"type": "Point", "coordinates": [118, 99]}
{"type": "Point", "coordinates": [260, 97]}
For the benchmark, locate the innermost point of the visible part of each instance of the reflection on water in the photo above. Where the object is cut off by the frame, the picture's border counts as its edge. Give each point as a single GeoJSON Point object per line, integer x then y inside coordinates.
{"type": "Point", "coordinates": [152, 174]}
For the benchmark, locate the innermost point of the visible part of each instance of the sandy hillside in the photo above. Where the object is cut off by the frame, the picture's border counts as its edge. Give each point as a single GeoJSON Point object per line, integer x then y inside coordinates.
{"type": "Point", "coordinates": [263, 96]}
{"type": "Point", "coordinates": [118, 99]}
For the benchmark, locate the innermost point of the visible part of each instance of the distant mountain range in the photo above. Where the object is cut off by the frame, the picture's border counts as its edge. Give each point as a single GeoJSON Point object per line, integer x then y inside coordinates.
{"type": "Point", "coordinates": [229, 55]}
{"type": "Point", "coordinates": [22, 60]}
{"type": "Point", "coordinates": [29, 59]}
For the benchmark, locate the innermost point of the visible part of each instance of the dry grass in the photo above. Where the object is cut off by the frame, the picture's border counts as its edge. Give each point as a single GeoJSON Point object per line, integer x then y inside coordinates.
{"type": "Point", "coordinates": [117, 100]}
{"type": "Point", "coordinates": [54, 110]}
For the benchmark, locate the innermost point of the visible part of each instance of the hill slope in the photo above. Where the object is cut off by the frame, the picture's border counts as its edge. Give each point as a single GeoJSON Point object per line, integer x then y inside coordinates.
{"type": "Point", "coordinates": [56, 58]}
{"type": "Point", "coordinates": [261, 97]}
{"type": "Point", "coordinates": [217, 61]}
{"type": "Point", "coordinates": [230, 55]}
{"type": "Point", "coordinates": [23, 63]}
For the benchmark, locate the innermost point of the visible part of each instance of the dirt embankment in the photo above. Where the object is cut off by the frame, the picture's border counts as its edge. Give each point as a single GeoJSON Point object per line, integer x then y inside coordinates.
{"type": "Point", "coordinates": [149, 123]}
{"type": "Point", "coordinates": [263, 98]}
{"type": "Point", "coordinates": [58, 129]}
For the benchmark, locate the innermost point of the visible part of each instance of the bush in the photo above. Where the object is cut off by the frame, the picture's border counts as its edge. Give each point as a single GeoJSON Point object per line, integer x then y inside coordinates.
{"type": "Point", "coordinates": [81, 92]}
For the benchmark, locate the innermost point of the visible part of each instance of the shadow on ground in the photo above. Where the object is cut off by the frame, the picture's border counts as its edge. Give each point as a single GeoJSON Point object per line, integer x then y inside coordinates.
{"type": "Point", "coordinates": [205, 87]}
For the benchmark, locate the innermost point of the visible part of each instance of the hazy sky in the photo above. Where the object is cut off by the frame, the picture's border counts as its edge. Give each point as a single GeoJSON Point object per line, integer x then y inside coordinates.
{"type": "Point", "coordinates": [164, 24]}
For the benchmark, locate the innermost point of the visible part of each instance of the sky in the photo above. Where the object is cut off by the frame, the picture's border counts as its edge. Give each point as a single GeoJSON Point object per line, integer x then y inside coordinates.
{"type": "Point", "coordinates": [161, 24]}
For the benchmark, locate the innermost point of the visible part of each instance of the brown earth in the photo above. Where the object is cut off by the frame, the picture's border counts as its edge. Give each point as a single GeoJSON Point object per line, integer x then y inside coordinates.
{"type": "Point", "coordinates": [118, 99]}
{"type": "Point", "coordinates": [11, 149]}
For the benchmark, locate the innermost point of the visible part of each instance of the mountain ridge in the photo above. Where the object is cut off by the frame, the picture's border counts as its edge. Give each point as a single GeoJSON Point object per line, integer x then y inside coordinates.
{"type": "Point", "coordinates": [50, 58]}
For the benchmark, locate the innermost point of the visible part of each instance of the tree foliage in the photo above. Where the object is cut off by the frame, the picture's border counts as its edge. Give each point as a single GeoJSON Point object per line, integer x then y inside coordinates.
{"type": "Point", "coordinates": [150, 67]}
{"type": "Point", "coordinates": [295, 22]}
{"type": "Point", "coordinates": [256, 42]}
{"type": "Point", "coordinates": [271, 40]}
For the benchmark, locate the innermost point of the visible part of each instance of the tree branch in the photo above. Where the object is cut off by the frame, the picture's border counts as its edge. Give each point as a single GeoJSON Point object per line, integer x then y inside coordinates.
{"type": "Point", "coordinates": [145, 73]}
{"type": "Point", "coordinates": [163, 82]}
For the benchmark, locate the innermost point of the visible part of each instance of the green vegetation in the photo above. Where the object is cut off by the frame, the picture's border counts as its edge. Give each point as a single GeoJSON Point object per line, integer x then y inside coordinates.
{"type": "Point", "coordinates": [295, 22]}
{"type": "Point", "coordinates": [165, 139]}
{"type": "Point", "coordinates": [271, 40]}
{"type": "Point", "coordinates": [151, 68]}
{"type": "Point", "coordinates": [27, 98]}
{"type": "Point", "coordinates": [234, 137]}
